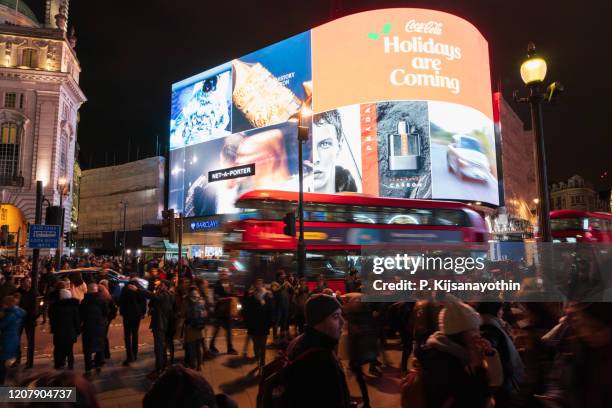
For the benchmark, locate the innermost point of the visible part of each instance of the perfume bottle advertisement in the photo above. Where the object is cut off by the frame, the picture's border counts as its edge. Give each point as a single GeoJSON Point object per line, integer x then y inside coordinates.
{"type": "Point", "coordinates": [404, 165]}
{"type": "Point", "coordinates": [464, 165]}
{"type": "Point", "coordinates": [270, 85]}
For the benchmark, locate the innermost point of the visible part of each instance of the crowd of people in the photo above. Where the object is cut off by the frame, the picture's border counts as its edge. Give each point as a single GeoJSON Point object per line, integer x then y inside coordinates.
{"type": "Point", "coordinates": [454, 354]}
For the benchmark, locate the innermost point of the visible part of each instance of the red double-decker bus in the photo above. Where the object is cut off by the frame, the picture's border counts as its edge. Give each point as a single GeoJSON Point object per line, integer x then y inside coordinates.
{"type": "Point", "coordinates": [581, 226]}
{"type": "Point", "coordinates": [337, 226]}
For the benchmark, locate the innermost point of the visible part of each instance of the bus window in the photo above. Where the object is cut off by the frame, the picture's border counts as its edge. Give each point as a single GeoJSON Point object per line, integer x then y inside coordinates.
{"type": "Point", "coordinates": [568, 224]}
{"type": "Point", "coordinates": [451, 217]}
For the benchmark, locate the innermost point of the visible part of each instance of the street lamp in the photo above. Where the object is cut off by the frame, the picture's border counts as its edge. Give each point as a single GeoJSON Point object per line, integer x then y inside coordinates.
{"type": "Point", "coordinates": [533, 72]}
{"type": "Point", "coordinates": [303, 131]}
{"type": "Point", "coordinates": [63, 188]}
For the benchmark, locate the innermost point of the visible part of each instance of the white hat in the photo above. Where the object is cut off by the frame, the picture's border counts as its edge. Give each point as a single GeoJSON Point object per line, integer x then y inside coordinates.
{"type": "Point", "coordinates": [457, 317]}
{"type": "Point", "coordinates": [65, 294]}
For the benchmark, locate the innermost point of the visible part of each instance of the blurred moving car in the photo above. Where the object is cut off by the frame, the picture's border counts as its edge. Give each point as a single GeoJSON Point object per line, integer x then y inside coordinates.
{"type": "Point", "coordinates": [466, 158]}
{"type": "Point", "coordinates": [116, 281]}
{"type": "Point", "coordinates": [209, 269]}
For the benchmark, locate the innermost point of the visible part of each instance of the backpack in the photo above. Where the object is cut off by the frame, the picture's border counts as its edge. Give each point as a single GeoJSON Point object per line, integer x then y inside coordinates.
{"type": "Point", "coordinates": [272, 392]}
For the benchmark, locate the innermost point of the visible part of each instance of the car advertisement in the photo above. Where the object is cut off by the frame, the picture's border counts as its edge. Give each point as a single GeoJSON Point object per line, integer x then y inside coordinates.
{"type": "Point", "coordinates": [401, 109]}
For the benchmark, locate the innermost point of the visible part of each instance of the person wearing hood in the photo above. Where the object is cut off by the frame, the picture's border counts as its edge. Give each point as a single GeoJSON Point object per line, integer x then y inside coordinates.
{"type": "Point", "coordinates": [10, 324]}
{"type": "Point", "coordinates": [65, 323]}
{"type": "Point", "coordinates": [452, 360]}
{"type": "Point", "coordinates": [316, 378]}
{"type": "Point", "coordinates": [94, 314]}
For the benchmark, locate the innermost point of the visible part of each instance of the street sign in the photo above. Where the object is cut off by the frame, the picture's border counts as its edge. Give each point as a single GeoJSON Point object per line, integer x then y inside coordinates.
{"type": "Point", "coordinates": [43, 236]}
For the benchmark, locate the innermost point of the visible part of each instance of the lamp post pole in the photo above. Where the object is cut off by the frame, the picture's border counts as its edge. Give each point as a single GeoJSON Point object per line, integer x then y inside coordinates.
{"type": "Point", "coordinates": [535, 102]}
{"type": "Point", "coordinates": [123, 247]}
{"type": "Point", "coordinates": [62, 186]}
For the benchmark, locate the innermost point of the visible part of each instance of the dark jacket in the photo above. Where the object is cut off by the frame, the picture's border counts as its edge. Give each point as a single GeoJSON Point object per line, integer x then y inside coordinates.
{"type": "Point", "coordinates": [447, 378]}
{"type": "Point", "coordinates": [258, 314]}
{"type": "Point", "coordinates": [65, 321]}
{"type": "Point", "coordinates": [28, 303]}
{"type": "Point", "coordinates": [317, 380]}
{"type": "Point", "coordinates": [362, 332]}
{"type": "Point", "coordinates": [132, 304]}
{"type": "Point", "coordinates": [223, 299]}
{"type": "Point", "coordinates": [94, 314]}
{"type": "Point", "coordinates": [161, 306]}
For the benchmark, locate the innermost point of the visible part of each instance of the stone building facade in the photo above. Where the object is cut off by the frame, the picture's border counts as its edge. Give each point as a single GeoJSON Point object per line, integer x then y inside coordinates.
{"type": "Point", "coordinates": [39, 102]}
{"type": "Point", "coordinates": [576, 194]}
{"type": "Point", "coordinates": [517, 217]}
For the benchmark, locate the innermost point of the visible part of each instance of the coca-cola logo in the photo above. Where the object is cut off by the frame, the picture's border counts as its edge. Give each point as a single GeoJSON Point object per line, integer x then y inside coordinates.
{"type": "Point", "coordinates": [429, 27]}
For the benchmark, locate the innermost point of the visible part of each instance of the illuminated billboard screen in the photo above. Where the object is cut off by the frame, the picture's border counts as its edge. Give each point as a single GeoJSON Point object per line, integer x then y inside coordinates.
{"type": "Point", "coordinates": [401, 102]}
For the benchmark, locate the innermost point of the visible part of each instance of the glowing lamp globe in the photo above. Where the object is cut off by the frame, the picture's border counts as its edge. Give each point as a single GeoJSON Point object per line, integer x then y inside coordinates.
{"type": "Point", "coordinates": [533, 70]}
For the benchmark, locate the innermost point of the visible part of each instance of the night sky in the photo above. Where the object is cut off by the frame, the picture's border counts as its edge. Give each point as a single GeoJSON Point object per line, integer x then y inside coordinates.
{"type": "Point", "coordinates": [132, 51]}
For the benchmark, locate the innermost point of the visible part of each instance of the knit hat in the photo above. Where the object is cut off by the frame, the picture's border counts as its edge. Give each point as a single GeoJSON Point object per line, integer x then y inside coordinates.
{"type": "Point", "coordinates": [319, 307]}
{"type": "Point", "coordinates": [457, 317]}
{"type": "Point", "coordinates": [65, 294]}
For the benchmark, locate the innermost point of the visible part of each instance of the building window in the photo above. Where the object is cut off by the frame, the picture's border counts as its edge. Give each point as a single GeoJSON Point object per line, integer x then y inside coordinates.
{"type": "Point", "coordinates": [21, 100]}
{"type": "Point", "coordinates": [9, 149]}
{"type": "Point", "coordinates": [63, 156]}
{"type": "Point", "coordinates": [29, 58]}
{"type": "Point", "coordinates": [10, 100]}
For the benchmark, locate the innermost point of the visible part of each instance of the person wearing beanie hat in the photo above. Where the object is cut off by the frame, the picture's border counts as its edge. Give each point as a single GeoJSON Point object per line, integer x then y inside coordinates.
{"type": "Point", "coordinates": [65, 323]}
{"type": "Point", "coordinates": [452, 360]}
{"type": "Point", "coordinates": [315, 366]}
{"type": "Point", "coordinates": [457, 317]}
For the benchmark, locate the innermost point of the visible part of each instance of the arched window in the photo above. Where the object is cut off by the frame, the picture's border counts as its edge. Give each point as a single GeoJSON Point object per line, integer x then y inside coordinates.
{"type": "Point", "coordinates": [9, 150]}
{"type": "Point", "coordinates": [29, 58]}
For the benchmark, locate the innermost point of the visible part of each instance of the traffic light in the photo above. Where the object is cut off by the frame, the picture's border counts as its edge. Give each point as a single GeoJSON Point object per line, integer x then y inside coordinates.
{"type": "Point", "coordinates": [169, 225]}
{"type": "Point", "coordinates": [67, 238]}
{"type": "Point", "coordinates": [54, 215]}
{"type": "Point", "coordinates": [289, 228]}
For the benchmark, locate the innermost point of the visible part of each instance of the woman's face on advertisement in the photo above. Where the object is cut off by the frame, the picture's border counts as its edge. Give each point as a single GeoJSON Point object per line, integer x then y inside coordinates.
{"type": "Point", "coordinates": [325, 152]}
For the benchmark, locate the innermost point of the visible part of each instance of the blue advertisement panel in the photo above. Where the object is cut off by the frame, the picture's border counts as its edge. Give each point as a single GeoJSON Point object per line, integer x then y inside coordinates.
{"type": "Point", "coordinates": [201, 108]}
{"type": "Point", "coordinates": [270, 84]}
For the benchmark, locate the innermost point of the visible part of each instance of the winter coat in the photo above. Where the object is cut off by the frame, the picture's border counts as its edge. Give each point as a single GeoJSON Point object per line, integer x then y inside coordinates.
{"type": "Point", "coordinates": [447, 376]}
{"type": "Point", "coordinates": [193, 312]}
{"type": "Point", "coordinates": [94, 315]}
{"type": "Point", "coordinates": [362, 332]}
{"type": "Point", "coordinates": [258, 313]}
{"type": "Point", "coordinates": [161, 306]}
{"type": "Point", "coordinates": [65, 321]}
{"type": "Point", "coordinates": [132, 304]}
{"type": "Point", "coordinates": [317, 380]}
{"type": "Point", "coordinates": [28, 302]}
{"type": "Point", "coordinates": [10, 326]}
